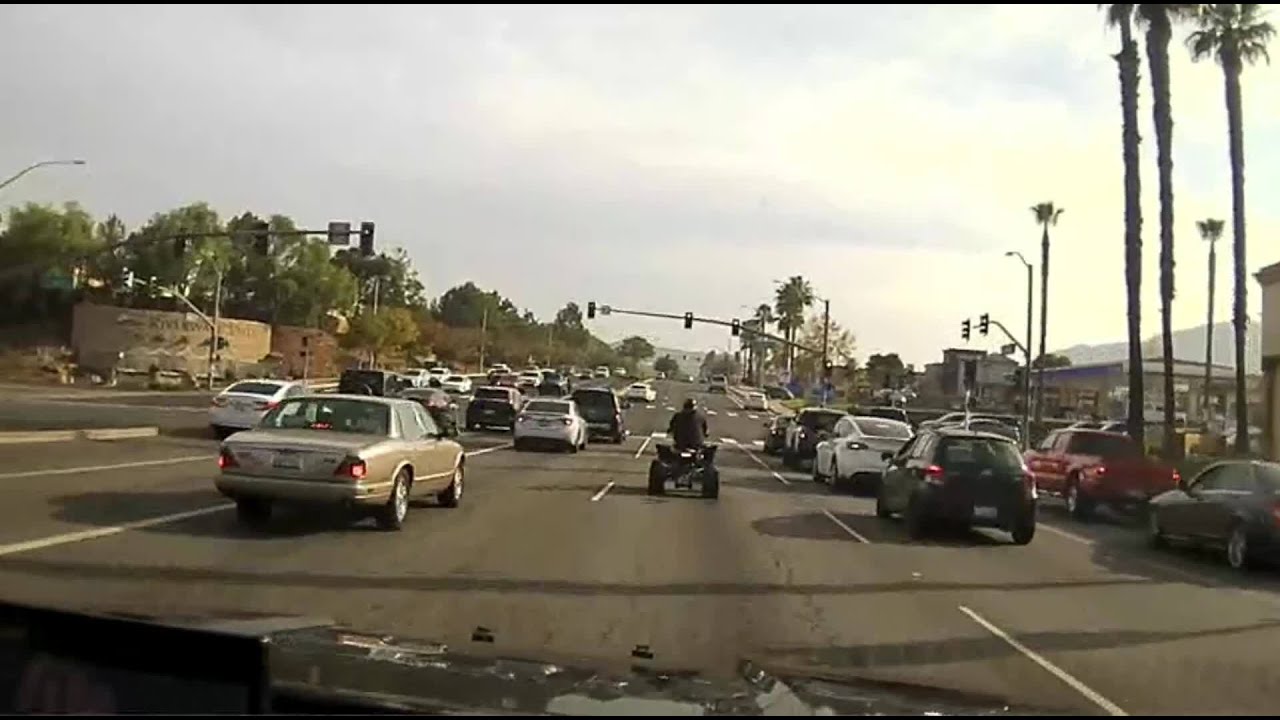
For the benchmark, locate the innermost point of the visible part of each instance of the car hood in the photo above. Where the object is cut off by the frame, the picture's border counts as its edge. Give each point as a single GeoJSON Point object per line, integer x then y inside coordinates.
{"type": "Point", "coordinates": [315, 659]}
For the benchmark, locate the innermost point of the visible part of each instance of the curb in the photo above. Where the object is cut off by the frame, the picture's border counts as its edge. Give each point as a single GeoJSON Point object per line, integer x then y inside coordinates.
{"type": "Point", "coordinates": [19, 437]}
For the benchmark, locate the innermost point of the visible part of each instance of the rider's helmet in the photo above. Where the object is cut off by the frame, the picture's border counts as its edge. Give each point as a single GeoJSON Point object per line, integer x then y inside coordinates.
{"type": "Point", "coordinates": [690, 404]}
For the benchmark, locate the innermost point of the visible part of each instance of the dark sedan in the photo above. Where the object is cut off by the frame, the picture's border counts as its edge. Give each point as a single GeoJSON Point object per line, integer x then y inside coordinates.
{"type": "Point", "coordinates": [493, 407]}
{"type": "Point", "coordinates": [1232, 506]}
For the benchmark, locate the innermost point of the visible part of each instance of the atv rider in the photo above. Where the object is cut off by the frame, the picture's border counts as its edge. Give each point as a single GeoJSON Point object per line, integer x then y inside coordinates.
{"type": "Point", "coordinates": [688, 427]}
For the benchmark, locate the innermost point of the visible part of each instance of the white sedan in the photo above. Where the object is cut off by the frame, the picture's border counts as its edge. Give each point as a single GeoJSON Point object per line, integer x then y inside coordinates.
{"type": "Point", "coordinates": [642, 392]}
{"type": "Point", "coordinates": [855, 451]}
{"type": "Point", "coordinates": [550, 423]}
{"type": "Point", "coordinates": [755, 401]}
{"type": "Point", "coordinates": [241, 405]}
{"type": "Point", "coordinates": [456, 384]}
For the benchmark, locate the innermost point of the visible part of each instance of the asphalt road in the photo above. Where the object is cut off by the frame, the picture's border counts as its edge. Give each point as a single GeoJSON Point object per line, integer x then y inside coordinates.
{"type": "Point", "coordinates": [565, 555]}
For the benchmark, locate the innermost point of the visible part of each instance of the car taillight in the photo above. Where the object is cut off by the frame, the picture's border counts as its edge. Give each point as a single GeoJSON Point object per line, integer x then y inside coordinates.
{"type": "Point", "coordinates": [226, 459]}
{"type": "Point", "coordinates": [566, 421]}
{"type": "Point", "coordinates": [219, 401]}
{"type": "Point", "coordinates": [933, 474]}
{"type": "Point", "coordinates": [354, 468]}
{"type": "Point", "coordinates": [1100, 470]}
{"type": "Point", "coordinates": [521, 418]}
{"type": "Point", "coordinates": [265, 405]}
{"type": "Point", "coordinates": [1177, 476]}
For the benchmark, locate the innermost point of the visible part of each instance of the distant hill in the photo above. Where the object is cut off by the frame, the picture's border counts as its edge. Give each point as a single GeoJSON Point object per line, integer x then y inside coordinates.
{"type": "Point", "coordinates": [1188, 345]}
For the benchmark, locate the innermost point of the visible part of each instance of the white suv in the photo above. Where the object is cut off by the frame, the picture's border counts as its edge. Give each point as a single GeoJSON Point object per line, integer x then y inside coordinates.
{"type": "Point", "coordinates": [719, 383]}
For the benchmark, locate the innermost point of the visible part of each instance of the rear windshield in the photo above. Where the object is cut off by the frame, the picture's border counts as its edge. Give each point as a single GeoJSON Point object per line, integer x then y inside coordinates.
{"type": "Point", "coordinates": [547, 406]}
{"type": "Point", "coordinates": [599, 399]}
{"type": "Point", "coordinates": [334, 414]}
{"type": "Point", "coordinates": [978, 452]}
{"type": "Point", "coordinates": [551, 377]}
{"type": "Point", "coordinates": [820, 420]}
{"type": "Point", "coordinates": [875, 427]}
{"type": "Point", "coordinates": [1101, 445]}
{"type": "Point", "coordinates": [718, 378]}
{"type": "Point", "coordinates": [485, 393]}
{"type": "Point", "coordinates": [359, 378]}
{"type": "Point", "coordinates": [255, 388]}
{"type": "Point", "coordinates": [890, 413]}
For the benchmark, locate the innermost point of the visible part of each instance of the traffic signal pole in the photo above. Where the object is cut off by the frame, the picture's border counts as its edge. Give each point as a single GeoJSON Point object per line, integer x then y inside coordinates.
{"type": "Point", "coordinates": [689, 317]}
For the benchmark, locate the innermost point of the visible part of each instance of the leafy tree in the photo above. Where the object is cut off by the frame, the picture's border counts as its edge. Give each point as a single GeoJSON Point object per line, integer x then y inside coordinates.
{"type": "Point", "coordinates": [1046, 215]}
{"type": "Point", "coordinates": [1050, 361]}
{"type": "Point", "coordinates": [635, 349]}
{"type": "Point", "coordinates": [666, 364]}
{"type": "Point", "coordinates": [791, 300]}
{"type": "Point", "coordinates": [840, 347]}
{"type": "Point", "coordinates": [885, 371]}
{"type": "Point", "coordinates": [387, 331]}
{"type": "Point", "coordinates": [39, 241]}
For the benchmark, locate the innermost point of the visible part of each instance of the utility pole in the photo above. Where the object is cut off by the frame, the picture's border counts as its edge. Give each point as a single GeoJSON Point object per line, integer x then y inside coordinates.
{"type": "Point", "coordinates": [826, 330]}
{"type": "Point", "coordinates": [213, 326]}
{"type": "Point", "coordinates": [551, 334]}
{"type": "Point", "coordinates": [484, 335]}
{"type": "Point", "coordinates": [1026, 350]}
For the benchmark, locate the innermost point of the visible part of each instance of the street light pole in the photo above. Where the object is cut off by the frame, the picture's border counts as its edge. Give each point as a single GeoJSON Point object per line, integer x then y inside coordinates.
{"type": "Point", "coordinates": [1026, 374]}
{"type": "Point", "coordinates": [33, 166]}
{"type": "Point", "coordinates": [213, 327]}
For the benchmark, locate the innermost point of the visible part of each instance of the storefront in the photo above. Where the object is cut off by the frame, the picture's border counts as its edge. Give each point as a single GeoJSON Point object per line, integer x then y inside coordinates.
{"type": "Point", "coordinates": [1269, 278]}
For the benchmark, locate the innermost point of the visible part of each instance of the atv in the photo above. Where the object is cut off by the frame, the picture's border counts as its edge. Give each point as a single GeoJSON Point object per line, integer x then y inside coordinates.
{"type": "Point", "coordinates": [684, 469]}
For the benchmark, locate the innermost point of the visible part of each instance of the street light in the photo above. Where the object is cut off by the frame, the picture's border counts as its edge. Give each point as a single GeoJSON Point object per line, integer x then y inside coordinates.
{"type": "Point", "coordinates": [33, 166]}
{"type": "Point", "coordinates": [1026, 375]}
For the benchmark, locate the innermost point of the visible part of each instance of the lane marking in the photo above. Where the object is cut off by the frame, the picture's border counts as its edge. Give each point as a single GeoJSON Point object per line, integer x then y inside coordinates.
{"type": "Point", "coordinates": [763, 464]}
{"type": "Point", "coordinates": [603, 490]}
{"type": "Point", "coordinates": [729, 441]}
{"type": "Point", "coordinates": [752, 416]}
{"type": "Point", "coordinates": [711, 412]}
{"type": "Point", "coordinates": [1066, 677]}
{"type": "Point", "coordinates": [105, 468]}
{"type": "Point", "coordinates": [732, 414]}
{"type": "Point", "coordinates": [1067, 534]}
{"type": "Point", "coordinates": [74, 537]}
{"type": "Point", "coordinates": [670, 409]}
{"type": "Point", "coordinates": [657, 435]}
{"type": "Point", "coordinates": [482, 451]}
{"type": "Point", "coordinates": [643, 445]}
{"type": "Point", "coordinates": [856, 535]}
{"type": "Point", "coordinates": [649, 407]}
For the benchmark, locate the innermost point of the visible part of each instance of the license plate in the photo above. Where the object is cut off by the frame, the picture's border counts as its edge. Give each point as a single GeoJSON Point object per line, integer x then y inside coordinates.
{"type": "Point", "coordinates": [287, 461]}
{"type": "Point", "coordinates": [983, 512]}
{"type": "Point", "coordinates": [543, 423]}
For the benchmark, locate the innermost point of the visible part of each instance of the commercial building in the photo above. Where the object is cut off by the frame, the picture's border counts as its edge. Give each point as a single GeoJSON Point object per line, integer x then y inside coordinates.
{"type": "Point", "coordinates": [1269, 278]}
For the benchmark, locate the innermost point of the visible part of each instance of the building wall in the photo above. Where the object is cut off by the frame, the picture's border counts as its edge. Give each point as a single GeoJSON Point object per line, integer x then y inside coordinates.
{"type": "Point", "coordinates": [1269, 278]}
{"type": "Point", "coordinates": [287, 345]}
{"type": "Point", "coordinates": [100, 334]}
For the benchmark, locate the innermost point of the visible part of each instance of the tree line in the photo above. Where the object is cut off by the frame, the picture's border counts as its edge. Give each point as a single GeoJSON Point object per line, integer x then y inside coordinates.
{"type": "Point", "coordinates": [54, 257]}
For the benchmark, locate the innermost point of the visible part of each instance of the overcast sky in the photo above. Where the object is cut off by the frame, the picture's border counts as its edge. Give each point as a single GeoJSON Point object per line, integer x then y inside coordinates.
{"type": "Point", "coordinates": [671, 159]}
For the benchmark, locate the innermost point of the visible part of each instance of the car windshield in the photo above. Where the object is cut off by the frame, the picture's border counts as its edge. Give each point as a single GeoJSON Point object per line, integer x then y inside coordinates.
{"type": "Point", "coordinates": [969, 452]}
{"type": "Point", "coordinates": [1101, 444]}
{"type": "Point", "coordinates": [255, 388]}
{"type": "Point", "coordinates": [877, 427]}
{"type": "Point", "coordinates": [490, 394]}
{"type": "Point", "coordinates": [330, 414]}
{"type": "Point", "coordinates": [549, 407]}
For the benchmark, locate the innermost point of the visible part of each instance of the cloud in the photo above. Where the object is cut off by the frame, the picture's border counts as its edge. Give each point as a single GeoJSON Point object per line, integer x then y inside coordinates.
{"type": "Point", "coordinates": [668, 158]}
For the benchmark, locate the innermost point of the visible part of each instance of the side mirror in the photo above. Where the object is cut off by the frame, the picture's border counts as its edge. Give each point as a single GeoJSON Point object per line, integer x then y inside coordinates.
{"type": "Point", "coordinates": [886, 456]}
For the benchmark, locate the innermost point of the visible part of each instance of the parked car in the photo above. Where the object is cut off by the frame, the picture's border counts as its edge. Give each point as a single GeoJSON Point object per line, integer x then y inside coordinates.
{"type": "Point", "coordinates": [959, 477]}
{"type": "Point", "coordinates": [547, 422]}
{"type": "Point", "coordinates": [242, 405]}
{"type": "Point", "coordinates": [366, 454]}
{"type": "Point", "coordinates": [1228, 506]}
{"type": "Point", "coordinates": [493, 407]}
{"type": "Point", "coordinates": [602, 410]}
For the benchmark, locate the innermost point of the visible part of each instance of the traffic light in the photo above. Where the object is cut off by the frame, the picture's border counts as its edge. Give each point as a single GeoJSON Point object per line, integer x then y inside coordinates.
{"type": "Point", "coordinates": [735, 327]}
{"type": "Point", "coordinates": [826, 369]}
{"type": "Point", "coordinates": [966, 329]}
{"type": "Point", "coordinates": [262, 238]}
{"type": "Point", "coordinates": [179, 247]}
{"type": "Point", "coordinates": [688, 321]}
{"type": "Point", "coordinates": [984, 323]}
{"type": "Point", "coordinates": [591, 310]}
{"type": "Point", "coordinates": [366, 239]}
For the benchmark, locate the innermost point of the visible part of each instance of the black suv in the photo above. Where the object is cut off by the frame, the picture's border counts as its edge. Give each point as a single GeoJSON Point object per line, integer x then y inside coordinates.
{"type": "Point", "coordinates": [493, 406]}
{"type": "Point", "coordinates": [602, 410]}
{"type": "Point", "coordinates": [554, 385]}
{"type": "Point", "coordinates": [957, 476]}
{"type": "Point", "coordinates": [382, 383]}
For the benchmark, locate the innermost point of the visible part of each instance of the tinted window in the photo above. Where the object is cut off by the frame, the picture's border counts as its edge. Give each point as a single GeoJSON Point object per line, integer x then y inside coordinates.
{"type": "Point", "coordinates": [254, 388]}
{"type": "Point", "coordinates": [356, 380]}
{"type": "Point", "coordinates": [491, 394]}
{"type": "Point", "coordinates": [547, 406]}
{"type": "Point", "coordinates": [978, 452]}
{"type": "Point", "coordinates": [594, 399]}
{"type": "Point", "coordinates": [1102, 445]}
{"type": "Point", "coordinates": [1269, 476]}
{"type": "Point", "coordinates": [888, 413]}
{"type": "Point", "coordinates": [551, 377]}
{"type": "Point", "coordinates": [882, 428]}
{"type": "Point", "coordinates": [819, 420]}
{"type": "Point", "coordinates": [337, 414]}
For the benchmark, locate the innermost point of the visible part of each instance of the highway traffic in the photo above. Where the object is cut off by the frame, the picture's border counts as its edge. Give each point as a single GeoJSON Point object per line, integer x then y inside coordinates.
{"type": "Point", "coordinates": [562, 555]}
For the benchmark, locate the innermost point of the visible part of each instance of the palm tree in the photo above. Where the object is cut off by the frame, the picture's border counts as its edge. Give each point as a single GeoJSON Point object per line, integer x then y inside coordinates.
{"type": "Point", "coordinates": [791, 299]}
{"type": "Point", "coordinates": [1121, 16]}
{"type": "Point", "coordinates": [1159, 20]}
{"type": "Point", "coordinates": [1235, 35]}
{"type": "Point", "coordinates": [1046, 214]}
{"type": "Point", "coordinates": [763, 318]}
{"type": "Point", "coordinates": [1210, 230]}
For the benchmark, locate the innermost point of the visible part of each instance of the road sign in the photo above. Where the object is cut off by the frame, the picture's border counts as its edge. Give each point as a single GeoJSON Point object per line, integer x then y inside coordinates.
{"type": "Point", "coordinates": [339, 233]}
{"type": "Point", "coordinates": [57, 280]}
{"type": "Point", "coordinates": [1008, 349]}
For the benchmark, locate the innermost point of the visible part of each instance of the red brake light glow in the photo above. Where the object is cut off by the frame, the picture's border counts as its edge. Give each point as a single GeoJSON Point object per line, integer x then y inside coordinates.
{"type": "Point", "coordinates": [933, 473]}
{"type": "Point", "coordinates": [356, 469]}
{"type": "Point", "coordinates": [226, 459]}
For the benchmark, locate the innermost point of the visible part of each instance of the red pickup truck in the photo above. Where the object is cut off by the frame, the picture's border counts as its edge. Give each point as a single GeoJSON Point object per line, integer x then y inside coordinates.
{"type": "Point", "coordinates": [1092, 467]}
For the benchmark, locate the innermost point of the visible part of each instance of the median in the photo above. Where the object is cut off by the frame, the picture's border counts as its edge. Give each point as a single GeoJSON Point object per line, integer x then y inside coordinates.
{"type": "Point", "coordinates": [21, 437]}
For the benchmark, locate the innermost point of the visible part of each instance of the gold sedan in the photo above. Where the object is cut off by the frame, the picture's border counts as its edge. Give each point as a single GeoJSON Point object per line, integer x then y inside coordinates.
{"type": "Point", "coordinates": [364, 453]}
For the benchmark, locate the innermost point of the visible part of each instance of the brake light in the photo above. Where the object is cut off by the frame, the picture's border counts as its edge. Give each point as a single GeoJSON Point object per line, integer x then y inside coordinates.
{"type": "Point", "coordinates": [265, 405]}
{"type": "Point", "coordinates": [1100, 470]}
{"type": "Point", "coordinates": [354, 468]}
{"type": "Point", "coordinates": [1177, 476]}
{"type": "Point", "coordinates": [226, 459]}
{"type": "Point", "coordinates": [566, 421]}
{"type": "Point", "coordinates": [521, 418]}
{"type": "Point", "coordinates": [933, 474]}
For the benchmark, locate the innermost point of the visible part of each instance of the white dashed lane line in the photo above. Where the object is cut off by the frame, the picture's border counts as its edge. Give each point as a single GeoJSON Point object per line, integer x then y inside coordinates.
{"type": "Point", "coordinates": [732, 414]}
{"type": "Point", "coordinates": [711, 412]}
{"type": "Point", "coordinates": [670, 409]}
